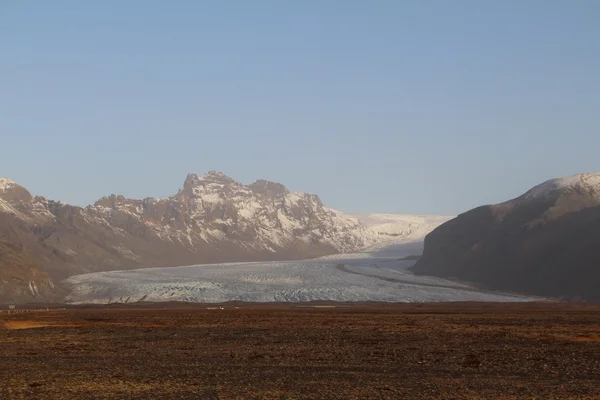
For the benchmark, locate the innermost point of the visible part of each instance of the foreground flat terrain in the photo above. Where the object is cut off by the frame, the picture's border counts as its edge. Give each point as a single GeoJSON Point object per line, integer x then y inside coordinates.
{"type": "Point", "coordinates": [407, 351]}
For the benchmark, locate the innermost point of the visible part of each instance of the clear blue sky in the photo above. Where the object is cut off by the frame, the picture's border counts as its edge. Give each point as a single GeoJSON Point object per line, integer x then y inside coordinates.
{"type": "Point", "coordinates": [417, 106]}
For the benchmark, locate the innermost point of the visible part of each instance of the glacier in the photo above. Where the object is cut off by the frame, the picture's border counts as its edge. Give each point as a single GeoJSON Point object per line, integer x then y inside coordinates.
{"type": "Point", "coordinates": [380, 276]}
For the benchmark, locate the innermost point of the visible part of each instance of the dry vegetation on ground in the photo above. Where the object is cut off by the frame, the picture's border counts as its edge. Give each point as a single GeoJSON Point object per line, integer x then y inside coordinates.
{"type": "Point", "coordinates": [443, 351]}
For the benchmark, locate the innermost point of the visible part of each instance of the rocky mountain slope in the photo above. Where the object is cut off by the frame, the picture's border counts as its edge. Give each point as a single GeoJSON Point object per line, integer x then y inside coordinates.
{"type": "Point", "coordinates": [212, 218]}
{"type": "Point", "coordinates": [21, 278]}
{"type": "Point", "coordinates": [545, 242]}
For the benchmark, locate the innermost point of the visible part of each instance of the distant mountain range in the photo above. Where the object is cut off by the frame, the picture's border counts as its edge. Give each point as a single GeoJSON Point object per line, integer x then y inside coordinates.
{"type": "Point", "coordinates": [212, 218]}
{"type": "Point", "coordinates": [545, 242]}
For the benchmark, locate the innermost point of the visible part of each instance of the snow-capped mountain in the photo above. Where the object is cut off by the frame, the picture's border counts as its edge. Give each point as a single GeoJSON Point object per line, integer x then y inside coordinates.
{"type": "Point", "coordinates": [545, 242]}
{"type": "Point", "coordinates": [262, 216]}
{"type": "Point", "coordinates": [213, 218]}
{"type": "Point", "coordinates": [215, 209]}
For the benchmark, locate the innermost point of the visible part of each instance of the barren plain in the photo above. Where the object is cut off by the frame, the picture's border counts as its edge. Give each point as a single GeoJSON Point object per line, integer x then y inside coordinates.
{"type": "Point", "coordinates": [310, 351]}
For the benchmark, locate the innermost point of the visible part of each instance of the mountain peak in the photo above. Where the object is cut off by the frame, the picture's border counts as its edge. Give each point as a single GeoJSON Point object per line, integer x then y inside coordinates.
{"type": "Point", "coordinates": [12, 191]}
{"type": "Point", "coordinates": [586, 182]}
{"type": "Point", "coordinates": [6, 184]}
{"type": "Point", "coordinates": [217, 177]}
{"type": "Point", "coordinates": [214, 173]}
{"type": "Point", "coordinates": [212, 178]}
{"type": "Point", "coordinates": [269, 188]}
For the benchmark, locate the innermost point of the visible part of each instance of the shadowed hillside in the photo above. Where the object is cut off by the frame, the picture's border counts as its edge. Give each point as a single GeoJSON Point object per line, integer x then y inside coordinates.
{"type": "Point", "coordinates": [21, 278]}
{"type": "Point", "coordinates": [546, 242]}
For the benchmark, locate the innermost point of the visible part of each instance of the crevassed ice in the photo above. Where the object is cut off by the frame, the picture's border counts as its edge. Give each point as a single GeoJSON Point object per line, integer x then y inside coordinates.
{"type": "Point", "coordinates": [342, 280]}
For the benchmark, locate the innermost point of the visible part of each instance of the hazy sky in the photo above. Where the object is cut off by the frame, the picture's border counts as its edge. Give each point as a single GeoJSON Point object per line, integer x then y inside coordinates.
{"type": "Point", "coordinates": [393, 106]}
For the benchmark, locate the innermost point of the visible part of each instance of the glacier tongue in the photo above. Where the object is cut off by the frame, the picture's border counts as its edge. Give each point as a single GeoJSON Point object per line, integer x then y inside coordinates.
{"type": "Point", "coordinates": [377, 278]}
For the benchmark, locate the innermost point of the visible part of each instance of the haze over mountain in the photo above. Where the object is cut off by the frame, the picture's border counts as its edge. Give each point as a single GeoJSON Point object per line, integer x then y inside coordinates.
{"type": "Point", "coordinates": [211, 219]}
{"type": "Point", "coordinates": [545, 242]}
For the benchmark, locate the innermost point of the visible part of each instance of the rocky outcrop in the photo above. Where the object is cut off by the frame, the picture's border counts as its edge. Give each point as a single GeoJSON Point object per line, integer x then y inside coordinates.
{"type": "Point", "coordinates": [22, 280]}
{"type": "Point", "coordinates": [545, 242]}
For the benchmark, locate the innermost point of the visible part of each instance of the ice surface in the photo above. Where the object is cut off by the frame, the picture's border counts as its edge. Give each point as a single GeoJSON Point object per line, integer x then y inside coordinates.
{"type": "Point", "coordinates": [397, 229]}
{"type": "Point", "coordinates": [359, 277]}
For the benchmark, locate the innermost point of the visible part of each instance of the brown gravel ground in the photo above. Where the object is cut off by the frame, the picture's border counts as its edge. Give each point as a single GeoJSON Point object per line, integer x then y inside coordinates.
{"type": "Point", "coordinates": [371, 351]}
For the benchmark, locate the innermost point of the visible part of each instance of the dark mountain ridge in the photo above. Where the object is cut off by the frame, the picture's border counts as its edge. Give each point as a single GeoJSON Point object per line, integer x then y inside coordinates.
{"type": "Point", "coordinates": [545, 242]}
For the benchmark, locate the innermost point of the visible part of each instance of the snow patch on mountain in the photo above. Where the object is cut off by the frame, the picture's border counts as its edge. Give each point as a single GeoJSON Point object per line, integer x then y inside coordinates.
{"type": "Point", "coordinates": [581, 182]}
{"type": "Point", "coordinates": [6, 207]}
{"type": "Point", "coordinates": [6, 184]}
